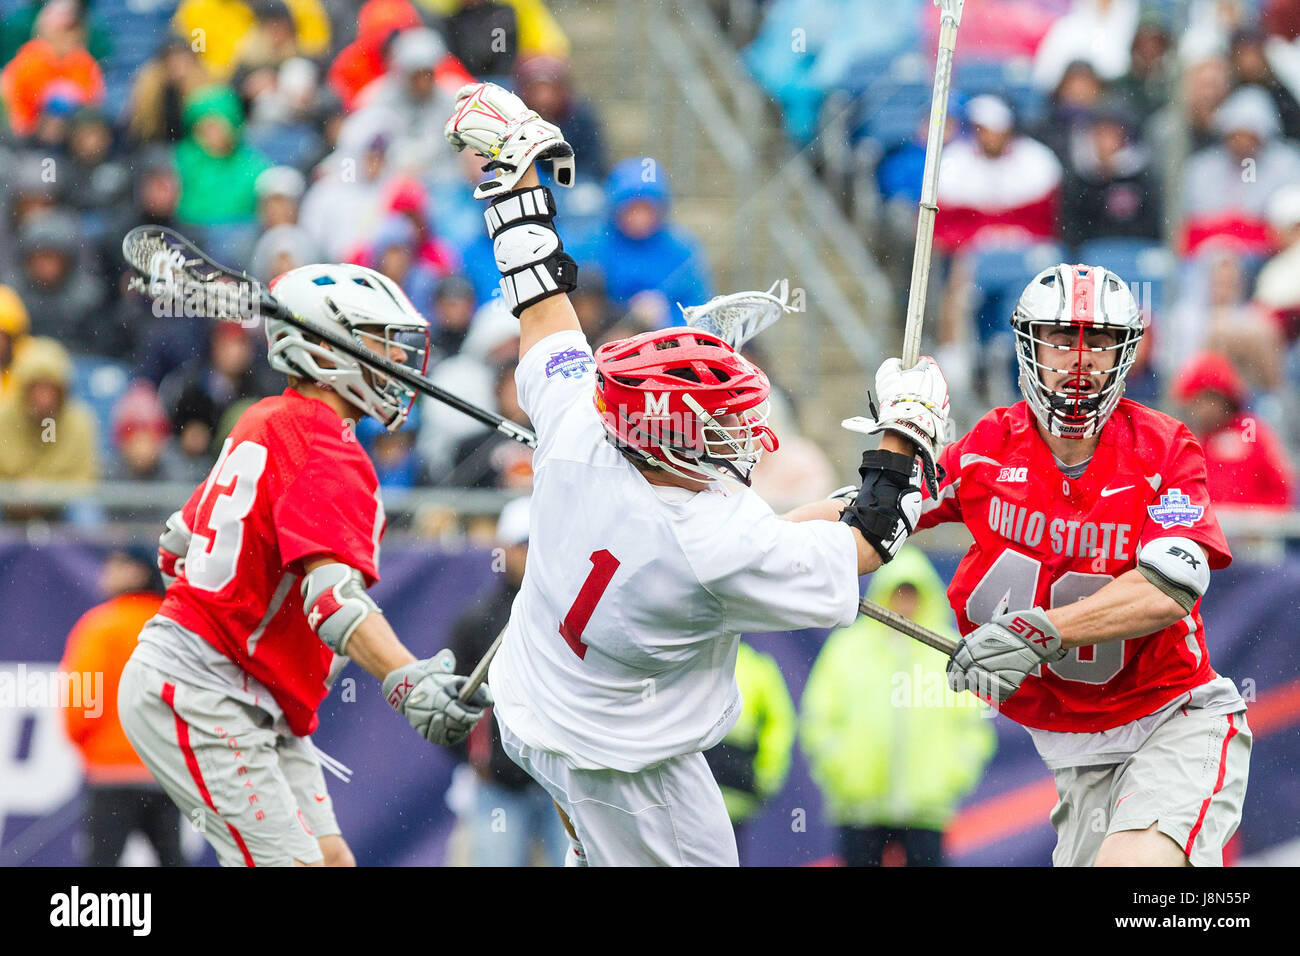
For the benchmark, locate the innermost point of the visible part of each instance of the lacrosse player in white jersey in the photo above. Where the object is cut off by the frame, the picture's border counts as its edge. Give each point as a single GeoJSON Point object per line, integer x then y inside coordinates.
{"type": "Point", "coordinates": [649, 553]}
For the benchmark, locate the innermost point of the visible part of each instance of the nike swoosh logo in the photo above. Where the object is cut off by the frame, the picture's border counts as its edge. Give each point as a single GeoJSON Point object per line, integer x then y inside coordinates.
{"type": "Point", "coordinates": [321, 799]}
{"type": "Point", "coordinates": [1107, 492]}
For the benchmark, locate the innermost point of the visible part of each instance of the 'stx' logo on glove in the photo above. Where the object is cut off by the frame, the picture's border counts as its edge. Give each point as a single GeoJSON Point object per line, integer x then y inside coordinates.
{"type": "Point", "coordinates": [398, 693]}
{"type": "Point", "coordinates": [1029, 632]}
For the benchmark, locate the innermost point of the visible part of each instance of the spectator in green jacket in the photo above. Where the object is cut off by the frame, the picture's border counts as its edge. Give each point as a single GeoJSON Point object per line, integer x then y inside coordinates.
{"type": "Point", "coordinates": [217, 169]}
{"type": "Point", "coordinates": [753, 760]}
{"type": "Point", "coordinates": [892, 749]}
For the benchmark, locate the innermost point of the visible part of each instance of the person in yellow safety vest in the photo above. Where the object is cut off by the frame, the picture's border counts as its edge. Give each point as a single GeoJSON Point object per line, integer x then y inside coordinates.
{"type": "Point", "coordinates": [892, 749]}
{"type": "Point", "coordinates": [753, 760]}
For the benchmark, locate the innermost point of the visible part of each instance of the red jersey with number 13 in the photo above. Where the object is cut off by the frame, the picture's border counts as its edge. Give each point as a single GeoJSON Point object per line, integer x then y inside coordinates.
{"type": "Point", "coordinates": [291, 482]}
{"type": "Point", "coordinates": [1043, 539]}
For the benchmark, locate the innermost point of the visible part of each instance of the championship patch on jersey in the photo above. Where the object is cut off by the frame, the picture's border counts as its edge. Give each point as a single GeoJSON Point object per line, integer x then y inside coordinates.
{"type": "Point", "coordinates": [1175, 508]}
{"type": "Point", "coordinates": [571, 363]}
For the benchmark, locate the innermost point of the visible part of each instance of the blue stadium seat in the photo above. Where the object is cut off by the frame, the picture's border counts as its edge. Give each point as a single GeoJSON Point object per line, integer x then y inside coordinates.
{"type": "Point", "coordinates": [1008, 80]}
{"type": "Point", "coordinates": [889, 113]}
{"type": "Point", "coordinates": [1000, 274]}
{"type": "Point", "coordinates": [1146, 265]}
{"type": "Point", "coordinates": [100, 382]}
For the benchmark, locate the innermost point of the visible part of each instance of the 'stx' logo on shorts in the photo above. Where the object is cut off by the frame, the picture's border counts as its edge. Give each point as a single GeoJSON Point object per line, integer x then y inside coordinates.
{"type": "Point", "coordinates": [1013, 474]}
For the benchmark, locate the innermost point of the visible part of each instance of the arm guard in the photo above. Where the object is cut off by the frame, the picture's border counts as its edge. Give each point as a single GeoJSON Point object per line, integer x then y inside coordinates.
{"type": "Point", "coordinates": [335, 601]}
{"type": "Point", "coordinates": [529, 253]}
{"type": "Point", "coordinates": [173, 544]}
{"type": "Point", "coordinates": [1178, 567]}
{"type": "Point", "coordinates": [888, 504]}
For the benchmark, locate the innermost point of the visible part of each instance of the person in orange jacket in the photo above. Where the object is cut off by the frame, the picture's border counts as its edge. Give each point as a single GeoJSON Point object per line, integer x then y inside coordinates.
{"type": "Point", "coordinates": [365, 59]}
{"type": "Point", "coordinates": [122, 796]}
{"type": "Point", "coordinates": [57, 54]}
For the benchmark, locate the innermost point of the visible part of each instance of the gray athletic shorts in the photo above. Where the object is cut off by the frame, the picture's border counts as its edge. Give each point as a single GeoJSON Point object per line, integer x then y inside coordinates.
{"type": "Point", "coordinates": [1188, 777]}
{"type": "Point", "coordinates": [258, 797]}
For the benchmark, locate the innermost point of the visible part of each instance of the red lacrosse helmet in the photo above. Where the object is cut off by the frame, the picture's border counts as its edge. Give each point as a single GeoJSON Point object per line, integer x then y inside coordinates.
{"type": "Point", "coordinates": [685, 401]}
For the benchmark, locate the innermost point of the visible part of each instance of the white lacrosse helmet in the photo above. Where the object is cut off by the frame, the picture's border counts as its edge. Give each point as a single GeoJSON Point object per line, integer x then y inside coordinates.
{"type": "Point", "coordinates": [1084, 298]}
{"type": "Point", "coordinates": [364, 305]}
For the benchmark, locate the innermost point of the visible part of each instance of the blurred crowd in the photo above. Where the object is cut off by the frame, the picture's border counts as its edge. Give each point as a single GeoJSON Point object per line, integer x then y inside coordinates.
{"type": "Point", "coordinates": [1158, 139]}
{"type": "Point", "coordinates": [276, 133]}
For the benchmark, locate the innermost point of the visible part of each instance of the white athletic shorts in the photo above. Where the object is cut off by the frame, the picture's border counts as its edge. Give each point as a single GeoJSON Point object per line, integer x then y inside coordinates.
{"type": "Point", "coordinates": [670, 814]}
{"type": "Point", "coordinates": [1188, 777]}
{"type": "Point", "coordinates": [258, 797]}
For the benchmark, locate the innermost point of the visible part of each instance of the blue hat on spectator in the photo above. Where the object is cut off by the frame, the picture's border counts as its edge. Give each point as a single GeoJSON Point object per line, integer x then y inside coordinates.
{"type": "Point", "coordinates": [638, 178]}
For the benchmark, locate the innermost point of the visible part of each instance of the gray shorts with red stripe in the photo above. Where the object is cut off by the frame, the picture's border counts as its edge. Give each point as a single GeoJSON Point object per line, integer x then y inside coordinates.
{"type": "Point", "coordinates": [258, 797]}
{"type": "Point", "coordinates": [1188, 778]}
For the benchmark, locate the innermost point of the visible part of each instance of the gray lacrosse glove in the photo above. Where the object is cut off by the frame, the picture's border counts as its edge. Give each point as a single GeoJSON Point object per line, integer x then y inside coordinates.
{"type": "Point", "coordinates": [426, 691]}
{"type": "Point", "coordinates": [992, 660]}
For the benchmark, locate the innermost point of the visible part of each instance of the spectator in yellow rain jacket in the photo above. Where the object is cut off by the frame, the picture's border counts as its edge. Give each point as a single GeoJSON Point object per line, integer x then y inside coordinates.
{"type": "Point", "coordinates": [539, 34]}
{"type": "Point", "coordinates": [14, 326]}
{"type": "Point", "coordinates": [892, 749]}
{"type": "Point", "coordinates": [45, 434]}
{"type": "Point", "coordinates": [217, 29]}
{"type": "Point", "coordinates": [753, 760]}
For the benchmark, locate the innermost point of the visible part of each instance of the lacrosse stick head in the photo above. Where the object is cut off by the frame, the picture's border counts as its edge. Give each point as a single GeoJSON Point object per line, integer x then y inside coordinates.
{"type": "Point", "coordinates": [182, 281]}
{"type": "Point", "coordinates": [738, 317]}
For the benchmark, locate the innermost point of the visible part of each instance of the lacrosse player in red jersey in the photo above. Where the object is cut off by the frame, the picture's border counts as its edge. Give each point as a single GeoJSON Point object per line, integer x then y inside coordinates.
{"type": "Point", "coordinates": [1080, 598]}
{"type": "Point", "coordinates": [649, 555]}
{"type": "Point", "coordinates": [269, 562]}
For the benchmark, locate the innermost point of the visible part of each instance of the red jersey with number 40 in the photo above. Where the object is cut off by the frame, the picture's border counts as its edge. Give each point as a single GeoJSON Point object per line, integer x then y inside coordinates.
{"type": "Point", "coordinates": [1043, 539]}
{"type": "Point", "coordinates": [291, 482]}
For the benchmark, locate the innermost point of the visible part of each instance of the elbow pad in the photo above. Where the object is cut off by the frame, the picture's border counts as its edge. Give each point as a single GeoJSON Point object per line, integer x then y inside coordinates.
{"type": "Point", "coordinates": [529, 253]}
{"type": "Point", "coordinates": [335, 601]}
{"type": "Point", "coordinates": [1178, 567]}
{"type": "Point", "coordinates": [173, 544]}
{"type": "Point", "coordinates": [888, 505]}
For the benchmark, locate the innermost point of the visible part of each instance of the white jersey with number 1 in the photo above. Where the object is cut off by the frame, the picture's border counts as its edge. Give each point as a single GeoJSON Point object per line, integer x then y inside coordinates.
{"type": "Point", "coordinates": [621, 647]}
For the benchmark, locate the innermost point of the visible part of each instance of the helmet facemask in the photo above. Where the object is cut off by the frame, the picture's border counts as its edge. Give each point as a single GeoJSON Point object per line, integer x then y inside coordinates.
{"type": "Point", "coordinates": [1082, 402]}
{"type": "Point", "coordinates": [403, 344]}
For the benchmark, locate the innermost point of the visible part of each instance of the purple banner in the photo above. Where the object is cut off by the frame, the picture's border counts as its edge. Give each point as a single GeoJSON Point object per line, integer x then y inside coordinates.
{"type": "Point", "coordinates": [394, 811]}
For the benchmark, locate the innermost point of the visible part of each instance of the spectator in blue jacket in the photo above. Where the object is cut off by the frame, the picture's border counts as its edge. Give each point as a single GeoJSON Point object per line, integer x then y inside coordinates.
{"type": "Point", "coordinates": [639, 249]}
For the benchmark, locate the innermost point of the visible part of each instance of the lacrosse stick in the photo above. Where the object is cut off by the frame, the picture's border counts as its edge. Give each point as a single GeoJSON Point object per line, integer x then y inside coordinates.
{"type": "Point", "coordinates": [904, 626]}
{"type": "Point", "coordinates": [479, 674]}
{"type": "Point", "coordinates": [949, 20]}
{"type": "Point", "coordinates": [735, 319]}
{"type": "Point", "coordinates": [738, 317]}
{"type": "Point", "coordinates": [171, 266]}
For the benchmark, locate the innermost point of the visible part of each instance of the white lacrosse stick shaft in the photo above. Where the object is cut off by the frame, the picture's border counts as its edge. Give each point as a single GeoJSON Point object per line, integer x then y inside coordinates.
{"type": "Point", "coordinates": [949, 21]}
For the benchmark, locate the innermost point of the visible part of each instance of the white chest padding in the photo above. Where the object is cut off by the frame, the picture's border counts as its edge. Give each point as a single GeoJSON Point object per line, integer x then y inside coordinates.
{"type": "Point", "coordinates": [1178, 567]}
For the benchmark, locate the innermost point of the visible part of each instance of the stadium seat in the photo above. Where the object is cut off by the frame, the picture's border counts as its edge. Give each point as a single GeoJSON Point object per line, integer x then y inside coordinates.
{"type": "Point", "coordinates": [100, 382]}
{"type": "Point", "coordinates": [888, 113]}
{"type": "Point", "coordinates": [999, 274]}
{"type": "Point", "coordinates": [1006, 79]}
{"type": "Point", "coordinates": [1146, 265]}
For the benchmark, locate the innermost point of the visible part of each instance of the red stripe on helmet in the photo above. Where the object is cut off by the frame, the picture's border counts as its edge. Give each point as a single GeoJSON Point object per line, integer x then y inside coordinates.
{"type": "Point", "coordinates": [1083, 297]}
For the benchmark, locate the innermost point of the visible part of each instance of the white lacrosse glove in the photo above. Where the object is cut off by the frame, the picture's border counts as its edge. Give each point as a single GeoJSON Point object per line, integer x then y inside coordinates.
{"type": "Point", "coordinates": [173, 544]}
{"type": "Point", "coordinates": [992, 661]}
{"type": "Point", "coordinates": [426, 691]}
{"type": "Point", "coordinates": [913, 404]}
{"type": "Point", "coordinates": [499, 126]}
